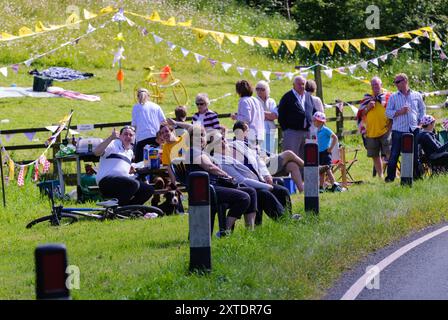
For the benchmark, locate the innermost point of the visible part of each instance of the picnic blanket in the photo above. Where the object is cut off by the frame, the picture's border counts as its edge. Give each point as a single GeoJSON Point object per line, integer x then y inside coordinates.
{"type": "Point", "coordinates": [62, 74]}
{"type": "Point", "coordinates": [53, 92]}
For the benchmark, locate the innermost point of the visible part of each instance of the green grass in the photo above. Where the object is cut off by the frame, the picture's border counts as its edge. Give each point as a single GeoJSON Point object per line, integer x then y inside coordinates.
{"type": "Point", "coordinates": [149, 259]}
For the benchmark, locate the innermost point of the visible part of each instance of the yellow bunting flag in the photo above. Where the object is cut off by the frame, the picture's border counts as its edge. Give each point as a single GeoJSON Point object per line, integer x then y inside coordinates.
{"type": "Point", "coordinates": [404, 35]}
{"type": "Point", "coordinates": [305, 44]}
{"type": "Point", "coordinates": [185, 24]}
{"type": "Point", "coordinates": [11, 170]}
{"type": "Point", "coordinates": [370, 43]}
{"type": "Point", "coordinates": [330, 45]}
{"type": "Point", "coordinates": [24, 31]}
{"type": "Point", "coordinates": [107, 9]}
{"type": "Point", "coordinates": [218, 36]}
{"type": "Point", "coordinates": [40, 25]}
{"type": "Point", "coordinates": [275, 44]}
{"type": "Point", "coordinates": [73, 18]}
{"type": "Point", "coordinates": [200, 34]}
{"type": "Point", "coordinates": [317, 45]}
{"type": "Point", "coordinates": [120, 37]}
{"type": "Point", "coordinates": [344, 44]}
{"type": "Point", "coordinates": [89, 15]}
{"type": "Point", "coordinates": [154, 16]}
{"type": "Point", "coordinates": [170, 22]}
{"type": "Point", "coordinates": [382, 38]}
{"type": "Point", "coordinates": [248, 40]}
{"type": "Point", "coordinates": [232, 38]}
{"type": "Point", "coordinates": [291, 45]}
{"type": "Point", "coordinates": [356, 44]}
{"type": "Point", "coordinates": [262, 42]}
{"type": "Point", "coordinates": [417, 32]}
{"type": "Point", "coordinates": [7, 36]}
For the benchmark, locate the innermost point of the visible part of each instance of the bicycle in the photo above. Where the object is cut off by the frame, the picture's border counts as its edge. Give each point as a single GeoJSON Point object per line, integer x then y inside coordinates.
{"type": "Point", "coordinates": [158, 82]}
{"type": "Point", "coordinates": [61, 216]}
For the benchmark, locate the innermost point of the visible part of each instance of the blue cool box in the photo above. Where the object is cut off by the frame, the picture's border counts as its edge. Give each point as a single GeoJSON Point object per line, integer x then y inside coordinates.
{"type": "Point", "coordinates": [290, 185]}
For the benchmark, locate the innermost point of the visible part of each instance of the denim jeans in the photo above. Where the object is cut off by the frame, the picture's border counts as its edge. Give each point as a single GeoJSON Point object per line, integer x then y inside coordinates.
{"type": "Point", "coordinates": [395, 153]}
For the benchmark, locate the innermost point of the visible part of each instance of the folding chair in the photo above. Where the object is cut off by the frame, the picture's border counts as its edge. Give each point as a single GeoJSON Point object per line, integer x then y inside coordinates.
{"type": "Point", "coordinates": [344, 166]}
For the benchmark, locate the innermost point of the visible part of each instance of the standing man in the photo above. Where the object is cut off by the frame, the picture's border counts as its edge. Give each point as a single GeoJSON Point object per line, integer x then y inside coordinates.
{"type": "Point", "coordinates": [378, 134]}
{"type": "Point", "coordinates": [406, 109]}
{"type": "Point", "coordinates": [295, 112]}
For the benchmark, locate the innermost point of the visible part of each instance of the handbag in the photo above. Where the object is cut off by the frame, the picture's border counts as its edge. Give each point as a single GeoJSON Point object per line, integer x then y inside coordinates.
{"type": "Point", "coordinates": [225, 182]}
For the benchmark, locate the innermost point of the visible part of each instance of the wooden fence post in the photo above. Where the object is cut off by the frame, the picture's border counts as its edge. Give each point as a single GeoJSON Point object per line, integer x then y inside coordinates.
{"type": "Point", "coordinates": [318, 79]}
{"type": "Point", "coordinates": [339, 122]}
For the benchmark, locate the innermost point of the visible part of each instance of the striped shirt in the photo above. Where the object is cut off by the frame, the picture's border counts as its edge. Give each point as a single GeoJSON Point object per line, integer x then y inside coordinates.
{"type": "Point", "coordinates": [209, 119]}
{"type": "Point", "coordinates": [406, 122]}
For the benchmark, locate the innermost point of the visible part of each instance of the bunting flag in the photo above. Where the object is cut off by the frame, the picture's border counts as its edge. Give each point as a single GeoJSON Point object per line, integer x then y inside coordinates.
{"type": "Point", "coordinates": [11, 169]}
{"type": "Point", "coordinates": [304, 44]}
{"type": "Point", "coordinates": [157, 39]}
{"type": "Point", "coordinates": [248, 40]}
{"type": "Point", "coordinates": [226, 66]}
{"type": "Point", "coordinates": [29, 172]}
{"type": "Point", "coordinates": [329, 73]}
{"type": "Point", "coordinates": [36, 172]}
{"type": "Point", "coordinates": [240, 70]}
{"type": "Point", "coordinates": [266, 75]}
{"type": "Point", "coordinates": [4, 71]}
{"type": "Point", "coordinates": [291, 45]}
{"type": "Point", "coordinates": [198, 57]}
{"type": "Point", "coordinates": [185, 52]}
{"type": "Point", "coordinates": [218, 36]}
{"type": "Point", "coordinates": [30, 135]}
{"type": "Point", "coordinates": [344, 45]}
{"type": "Point", "coordinates": [212, 62]}
{"type": "Point", "coordinates": [330, 45]}
{"type": "Point", "coordinates": [118, 56]}
{"type": "Point", "coordinates": [233, 38]}
{"type": "Point", "coordinates": [275, 44]}
{"type": "Point", "coordinates": [88, 15]}
{"type": "Point", "coordinates": [356, 44]}
{"type": "Point", "coordinates": [253, 72]}
{"type": "Point", "coordinates": [317, 45]}
{"type": "Point", "coordinates": [264, 42]}
{"type": "Point", "coordinates": [21, 177]}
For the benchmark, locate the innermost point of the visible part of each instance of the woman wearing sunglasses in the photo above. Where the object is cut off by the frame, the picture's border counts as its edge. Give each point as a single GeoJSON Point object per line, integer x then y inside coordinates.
{"type": "Point", "coordinates": [205, 117]}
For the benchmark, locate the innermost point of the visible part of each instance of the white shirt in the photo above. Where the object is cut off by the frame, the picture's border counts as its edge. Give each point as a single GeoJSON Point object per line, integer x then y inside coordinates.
{"type": "Point", "coordinates": [269, 106]}
{"type": "Point", "coordinates": [251, 111]}
{"type": "Point", "coordinates": [147, 119]}
{"type": "Point", "coordinates": [115, 162]}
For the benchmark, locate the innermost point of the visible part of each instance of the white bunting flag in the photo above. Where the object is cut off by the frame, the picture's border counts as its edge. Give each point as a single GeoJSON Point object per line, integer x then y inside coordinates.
{"type": "Point", "coordinates": [395, 52]}
{"type": "Point", "coordinates": [443, 55]}
{"type": "Point", "coordinates": [198, 57]}
{"type": "Point", "coordinates": [226, 66]}
{"type": "Point", "coordinates": [354, 109]}
{"type": "Point", "coordinates": [90, 29]}
{"type": "Point", "coordinates": [240, 70]}
{"type": "Point", "coordinates": [248, 40]}
{"type": "Point", "coordinates": [304, 44]}
{"type": "Point", "coordinates": [118, 56]}
{"type": "Point", "coordinates": [4, 71]}
{"type": "Point", "coordinates": [185, 52]}
{"type": "Point", "coordinates": [253, 72]}
{"type": "Point", "coordinates": [157, 39]}
{"type": "Point", "coordinates": [130, 22]}
{"type": "Point", "coordinates": [119, 16]}
{"type": "Point", "coordinates": [28, 62]}
{"type": "Point", "coordinates": [304, 74]}
{"type": "Point", "coordinates": [30, 135]}
{"type": "Point", "coordinates": [171, 45]}
{"type": "Point", "coordinates": [437, 46]}
{"type": "Point", "coordinates": [329, 73]}
{"type": "Point", "coordinates": [383, 57]}
{"type": "Point", "coordinates": [374, 61]}
{"type": "Point", "coordinates": [407, 46]}
{"type": "Point", "coordinates": [341, 69]}
{"type": "Point", "coordinates": [266, 75]}
{"type": "Point", "coordinates": [212, 62]}
{"type": "Point", "coordinates": [416, 41]}
{"type": "Point", "coordinates": [8, 137]}
{"type": "Point", "coordinates": [425, 34]}
{"type": "Point", "coordinates": [289, 75]}
{"type": "Point", "coordinates": [279, 75]}
{"type": "Point", "coordinates": [364, 65]}
{"type": "Point", "coordinates": [352, 68]}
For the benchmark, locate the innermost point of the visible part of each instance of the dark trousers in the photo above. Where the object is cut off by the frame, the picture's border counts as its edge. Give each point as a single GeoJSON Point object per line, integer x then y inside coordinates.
{"type": "Point", "coordinates": [395, 154]}
{"type": "Point", "coordinates": [126, 190]}
{"type": "Point", "coordinates": [237, 201]}
{"type": "Point", "coordinates": [138, 149]}
{"type": "Point", "coordinates": [274, 203]}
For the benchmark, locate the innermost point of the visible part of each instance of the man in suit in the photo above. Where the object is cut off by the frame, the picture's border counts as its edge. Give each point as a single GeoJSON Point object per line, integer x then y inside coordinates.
{"type": "Point", "coordinates": [295, 112]}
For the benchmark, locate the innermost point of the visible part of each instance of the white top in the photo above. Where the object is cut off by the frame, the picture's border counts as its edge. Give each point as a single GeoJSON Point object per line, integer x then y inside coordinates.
{"type": "Point", "coordinates": [147, 119]}
{"type": "Point", "coordinates": [115, 162]}
{"type": "Point", "coordinates": [318, 104]}
{"type": "Point", "coordinates": [269, 106]}
{"type": "Point", "coordinates": [251, 111]}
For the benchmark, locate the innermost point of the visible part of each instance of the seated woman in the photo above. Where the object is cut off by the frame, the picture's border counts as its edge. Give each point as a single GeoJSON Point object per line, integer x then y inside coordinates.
{"type": "Point", "coordinates": [433, 149]}
{"type": "Point", "coordinates": [114, 174]}
{"type": "Point", "coordinates": [239, 201]}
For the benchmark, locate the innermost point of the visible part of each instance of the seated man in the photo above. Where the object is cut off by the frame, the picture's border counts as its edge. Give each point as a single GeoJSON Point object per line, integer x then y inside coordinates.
{"type": "Point", "coordinates": [434, 150]}
{"type": "Point", "coordinates": [114, 174]}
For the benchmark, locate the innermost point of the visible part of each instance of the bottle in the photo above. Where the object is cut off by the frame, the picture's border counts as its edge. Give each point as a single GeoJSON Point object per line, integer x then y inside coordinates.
{"type": "Point", "coordinates": [146, 155]}
{"type": "Point", "coordinates": [89, 146]}
{"type": "Point", "coordinates": [154, 158]}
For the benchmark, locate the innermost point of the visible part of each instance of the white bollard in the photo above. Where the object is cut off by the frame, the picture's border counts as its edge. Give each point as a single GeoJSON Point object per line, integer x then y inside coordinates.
{"type": "Point", "coordinates": [311, 177]}
{"type": "Point", "coordinates": [407, 159]}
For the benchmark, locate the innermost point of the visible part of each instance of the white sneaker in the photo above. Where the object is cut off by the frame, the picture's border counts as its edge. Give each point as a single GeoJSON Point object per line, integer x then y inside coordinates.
{"type": "Point", "coordinates": [296, 216]}
{"type": "Point", "coordinates": [108, 203]}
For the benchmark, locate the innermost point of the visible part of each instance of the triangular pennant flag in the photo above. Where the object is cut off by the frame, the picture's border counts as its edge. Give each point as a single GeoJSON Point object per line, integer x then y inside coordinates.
{"type": "Point", "coordinates": [88, 15]}
{"type": "Point", "coordinates": [304, 74]}
{"type": "Point", "coordinates": [212, 62]}
{"type": "Point", "coordinates": [248, 40]}
{"type": "Point", "coordinates": [39, 27]}
{"type": "Point", "coordinates": [200, 34]}
{"type": "Point", "coordinates": [119, 37]}
{"type": "Point", "coordinates": [73, 18]}
{"type": "Point", "coordinates": [25, 31]}
{"type": "Point", "coordinates": [15, 68]}
{"type": "Point", "coordinates": [406, 46]}
{"type": "Point", "coordinates": [264, 42]}
{"type": "Point", "coordinates": [329, 73]}
{"type": "Point", "coordinates": [291, 45]}
{"type": "Point", "coordinates": [107, 9]}
{"type": "Point", "coordinates": [425, 34]}
{"type": "Point", "coordinates": [289, 75]}
{"type": "Point", "coordinates": [157, 39]}
{"type": "Point", "coordinates": [90, 28]}
{"type": "Point", "coordinates": [185, 23]}
{"type": "Point", "coordinates": [437, 46]}
{"type": "Point", "coordinates": [356, 44]}
{"type": "Point", "coordinates": [443, 55]}
{"type": "Point", "coordinates": [330, 45]}
{"type": "Point", "coordinates": [118, 56]}
{"type": "Point", "coordinates": [235, 39]}
{"type": "Point", "coordinates": [21, 177]}
{"type": "Point", "coordinates": [352, 68]}
{"type": "Point", "coordinates": [226, 66]}
{"type": "Point", "coordinates": [30, 135]}
{"type": "Point", "coordinates": [253, 72]}
{"type": "Point", "coordinates": [279, 75]}
{"type": "Point", "coordinates": [7, 36]}
{"type": "Point", "coordinates": [354, 109]}
{"type": "Point", "coordinates": [240, 70]}
{"type": "Point", "coordinates": [364, 65]}
{"type": "Point", "coordinates": [305, 44]}
{"type": "Point", "coordinates": [275, 44]}
{"type": "Point", "coordinates": [395, 52]}
{"type": "Point", "coordinates": [375, 61]}
{"type": "Point", "coordinates": [344, 45]}
{"type": "Point", "coordinates": [11, 169]}
{"type": "Point", "coordinates": [416, 41]}
{"type": "Point", "coordinates": [384, 57]}
{"type": "Point", "coordinates": [170, 22]}
{"type": "Point", "coordinates": [154, 16]}
{"type": "Point", "coordinates": [404, 35]}
{"type": "Point", "coordinates": [119, 16]}
{"type": "Point", "coordinates": [185, 52]}
{"type": "Point", "coordinates": [198, 57]}
{"type": "Point", "coordinates": [218, 36]}
{"type": "Point", "coordinates": [171, 45]}
{"type": "Point", "coordinates": [8, 137]}
{"type": "Point", "coordinates": [317, 45]}
{"type": "Point", "coordinates": [370, 43]}
{"type": "Point", "coordinates": [4, 71]}
{"type": "Point", "coordinates": [341, 69]}
{"type": "Point", "coordinates": [36, 172]}
{"type": "Point", "coordinates": [417, 32]}
{"type": "Point", "coordinates": [144, 32]}
{"type": "Point", "coordinates": [130, 22]}
{"type": "Point", "coordinates": [340, 106]}
{"type": "Point", "coordinates": [266, 75]}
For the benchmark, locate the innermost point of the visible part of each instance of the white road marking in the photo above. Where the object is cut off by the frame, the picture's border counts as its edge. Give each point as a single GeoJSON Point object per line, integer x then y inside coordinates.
{"type": "Point", "coordinates": [359, 285]}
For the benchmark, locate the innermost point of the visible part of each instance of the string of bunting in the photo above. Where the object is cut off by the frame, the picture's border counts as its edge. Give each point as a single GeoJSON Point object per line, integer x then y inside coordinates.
{"type": "Point", "coordinates": [31, 170]}
{"type": "Point", "coordinates": [291, 45]}
{"type": "Point", "coordinates": [40, 28]}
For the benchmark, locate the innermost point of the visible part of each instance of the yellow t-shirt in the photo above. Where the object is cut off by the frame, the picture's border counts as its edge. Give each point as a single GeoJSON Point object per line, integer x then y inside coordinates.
{"type": "Point", "coordinates": [173, 150]}
{"type": "Point", "coordinates": [377, 123]}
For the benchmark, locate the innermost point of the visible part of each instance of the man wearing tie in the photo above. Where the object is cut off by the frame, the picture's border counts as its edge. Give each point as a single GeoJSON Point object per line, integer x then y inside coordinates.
{"type": "Point", "coordinates": [295, 112]}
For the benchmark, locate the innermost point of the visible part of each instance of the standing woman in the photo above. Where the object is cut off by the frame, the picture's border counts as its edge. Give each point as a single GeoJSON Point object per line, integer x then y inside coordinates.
{"type": "Point", "coordinates": [146, 118]}
{"type": "Point", "coordinates": [270, 114]}
{"type": "Point", "coordinates": [251, 112]}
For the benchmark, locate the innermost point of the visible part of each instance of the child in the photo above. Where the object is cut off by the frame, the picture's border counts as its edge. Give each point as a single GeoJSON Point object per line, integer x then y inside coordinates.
{"type": "Point", "coordinates": [180, 113]}
{"type": "Point", "coordinates": [326, 139]}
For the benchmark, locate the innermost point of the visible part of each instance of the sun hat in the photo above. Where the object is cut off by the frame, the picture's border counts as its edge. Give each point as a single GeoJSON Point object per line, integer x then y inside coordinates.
{"type": "Point", "coordinates": [427, 120]}
{"type": "Point", "coordinates": [320, 116]}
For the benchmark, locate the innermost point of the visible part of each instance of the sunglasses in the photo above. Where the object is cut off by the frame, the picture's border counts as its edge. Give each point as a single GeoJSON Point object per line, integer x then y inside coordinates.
{"type": "Point", "coordinates": [398, 81]}
{"type": "Point", "coordinates": [200, 103]}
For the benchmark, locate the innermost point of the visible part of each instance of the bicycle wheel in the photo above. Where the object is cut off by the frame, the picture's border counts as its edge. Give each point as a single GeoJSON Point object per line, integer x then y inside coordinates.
{"type": "Point", "coordinates": [64, 219]}
{"type": "Point", "coordinates": [136, 211]}
{"type": "Point", "coordinates": [180, 93]}
{"type": "Point", "coordinates": [152, 87]}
